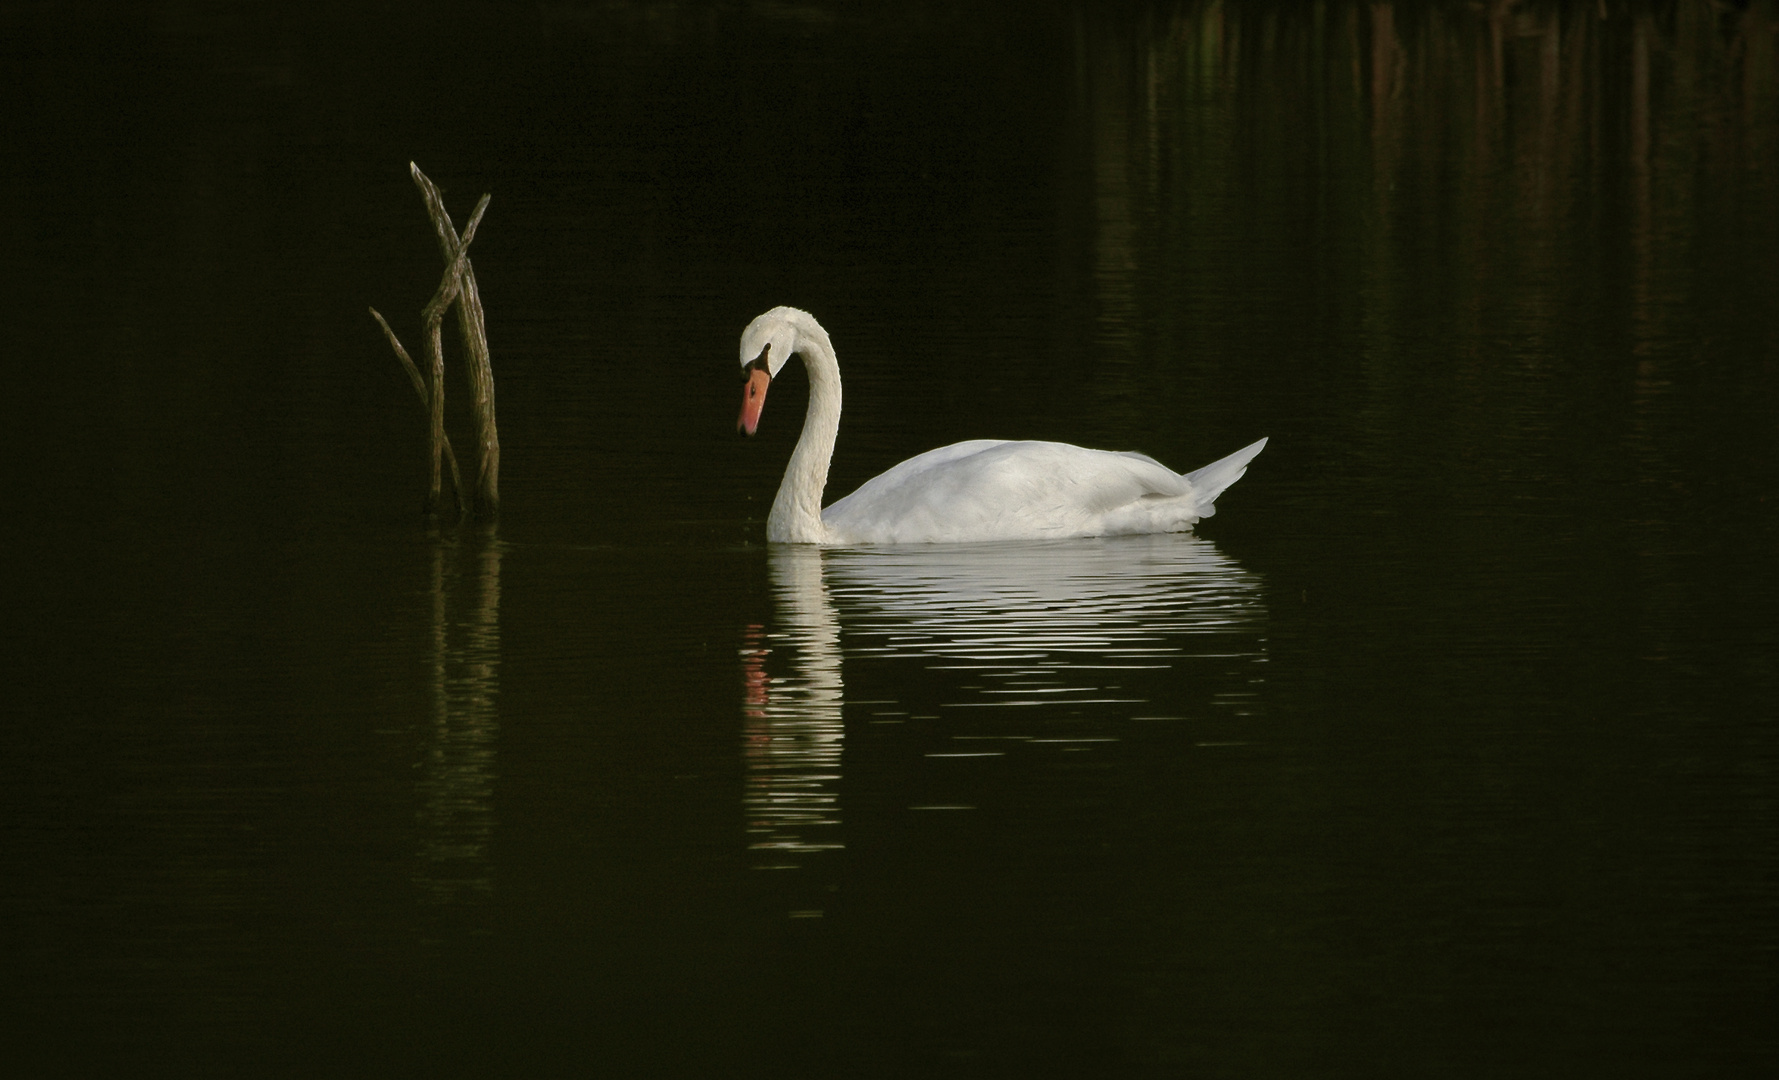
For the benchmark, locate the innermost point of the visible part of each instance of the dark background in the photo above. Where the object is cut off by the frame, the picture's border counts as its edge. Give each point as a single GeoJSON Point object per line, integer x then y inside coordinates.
{"type": "Point", "coordinates": [297, 782]}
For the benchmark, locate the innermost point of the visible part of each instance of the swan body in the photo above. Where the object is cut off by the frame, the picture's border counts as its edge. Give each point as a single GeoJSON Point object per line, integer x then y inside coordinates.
{"type": "Point", "coordinates": [984, 489]}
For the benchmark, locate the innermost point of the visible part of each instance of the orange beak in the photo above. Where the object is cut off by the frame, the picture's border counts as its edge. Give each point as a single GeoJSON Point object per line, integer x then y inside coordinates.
{"type": "Point", "coordinates": [753, 399]}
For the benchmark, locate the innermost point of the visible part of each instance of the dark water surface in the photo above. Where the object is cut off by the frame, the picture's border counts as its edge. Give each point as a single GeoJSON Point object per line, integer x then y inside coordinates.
{"type": "Point", "coordinates": [1446, 748]}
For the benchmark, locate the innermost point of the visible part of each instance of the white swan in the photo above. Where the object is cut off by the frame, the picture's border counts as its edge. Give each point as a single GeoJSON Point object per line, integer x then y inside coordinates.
{"type": "Point", "coordinates": [985, 489]}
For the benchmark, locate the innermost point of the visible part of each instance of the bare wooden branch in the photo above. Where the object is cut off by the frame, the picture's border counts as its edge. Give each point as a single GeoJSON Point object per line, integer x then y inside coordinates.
{"type": "Point", "coordinates": [402, 355]}
{"type": "Point", "coordinates": [451, 284]}
{"type": "Point", "coordinates": [425, 403]}
{"type": "Point", "coordinates": [456, 286]}
{"type": "Point", "coordinates": [436, 414]}
{"type": "Point", "coordinates": [471, 325]}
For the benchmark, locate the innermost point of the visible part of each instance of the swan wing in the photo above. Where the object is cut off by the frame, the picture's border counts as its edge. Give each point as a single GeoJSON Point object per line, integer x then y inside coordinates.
{"type": "Point", "coordinates": [989, 489]}
{"type": "Point", "coordinates": [1210, 481]}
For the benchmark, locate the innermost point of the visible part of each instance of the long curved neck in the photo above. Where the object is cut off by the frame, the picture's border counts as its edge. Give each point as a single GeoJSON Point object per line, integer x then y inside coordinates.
{"type": "Point", "coordinates": [796, 516]}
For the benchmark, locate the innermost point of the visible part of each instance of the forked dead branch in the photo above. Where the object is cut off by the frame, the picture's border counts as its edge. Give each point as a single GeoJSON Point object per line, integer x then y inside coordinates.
{"type": "Point", "coordinates": [457, 287]}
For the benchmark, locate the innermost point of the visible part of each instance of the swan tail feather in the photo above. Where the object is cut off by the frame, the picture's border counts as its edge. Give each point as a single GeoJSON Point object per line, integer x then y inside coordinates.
{"type": "Point", "coordinates": [1212, 480]}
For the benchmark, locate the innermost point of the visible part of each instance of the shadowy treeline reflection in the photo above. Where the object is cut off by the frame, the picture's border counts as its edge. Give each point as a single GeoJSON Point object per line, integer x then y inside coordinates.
{"type": "Point", "coordinates": [1491, 242]}
{"type": "Point", "coordinates": [1434, 128]}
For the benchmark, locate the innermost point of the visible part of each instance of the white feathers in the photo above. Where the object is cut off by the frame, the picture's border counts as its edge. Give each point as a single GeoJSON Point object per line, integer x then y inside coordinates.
{"type": "Point", "coordinates": [1209, 482]}
{"type": "Point", "coordinates": [985, 489]}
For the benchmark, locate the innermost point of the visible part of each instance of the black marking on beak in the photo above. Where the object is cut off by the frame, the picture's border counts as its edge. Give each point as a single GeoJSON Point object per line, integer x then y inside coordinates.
{"type": "Point", "coordinates": [758, 363]}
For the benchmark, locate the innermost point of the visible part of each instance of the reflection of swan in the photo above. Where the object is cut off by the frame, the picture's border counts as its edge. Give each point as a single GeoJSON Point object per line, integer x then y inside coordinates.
{"type": "Point", "coordinates": [986, 658]}
{"type": "Point", "coordinates": [987, 489]}
{"type": "Point", "coordinates": [1068, 626]}
{"type": "Point", "coordinates": [793, 722]}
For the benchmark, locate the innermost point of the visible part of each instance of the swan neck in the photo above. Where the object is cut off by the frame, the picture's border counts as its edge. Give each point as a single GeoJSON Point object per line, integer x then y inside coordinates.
{"type": "Point", "coordinates": [797, 511]}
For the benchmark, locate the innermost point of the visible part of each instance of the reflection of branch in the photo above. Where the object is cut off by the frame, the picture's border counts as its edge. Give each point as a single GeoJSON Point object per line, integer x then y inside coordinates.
{"type": "Point", "coordinates": [457, 756]}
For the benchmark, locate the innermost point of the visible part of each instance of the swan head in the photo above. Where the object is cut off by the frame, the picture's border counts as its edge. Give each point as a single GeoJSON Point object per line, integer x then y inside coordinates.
{"type": "Point", "coordinates": [766, 344]}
